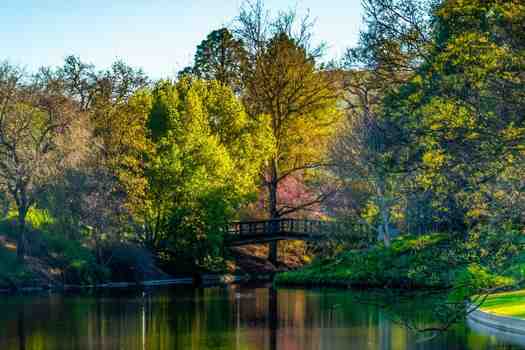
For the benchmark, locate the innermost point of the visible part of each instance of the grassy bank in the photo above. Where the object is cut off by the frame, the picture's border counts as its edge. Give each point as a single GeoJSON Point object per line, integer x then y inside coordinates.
{"type": "Point", "coordinates": [424, 262]}
{"type": "Point", "coordinates": [506, 304]}
{"type": "Point", "coordinates": [405, 264]}
{"type": "Point", "coordinates": [58, 257]}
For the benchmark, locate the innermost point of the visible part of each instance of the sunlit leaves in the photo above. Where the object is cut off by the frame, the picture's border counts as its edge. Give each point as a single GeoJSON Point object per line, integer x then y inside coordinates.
{"type": "Point", "coordinates": [204, 164]}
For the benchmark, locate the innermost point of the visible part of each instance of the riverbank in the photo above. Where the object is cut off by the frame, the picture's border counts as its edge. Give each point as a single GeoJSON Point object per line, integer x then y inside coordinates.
{"type": "Point", "coordinates": [514, 325]}
{"type": "Point", "coordinates": [501, 315]}
{"type": "Point", "coordinates": [411, 263]}
{"type": "Point", "coordinates": [50, 272]}
{"type": "Point", "coordinates": [201, 280]}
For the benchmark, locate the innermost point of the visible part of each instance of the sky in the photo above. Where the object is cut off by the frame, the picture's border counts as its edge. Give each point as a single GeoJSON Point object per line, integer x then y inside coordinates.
{"type": "Point", "coordinates": [159, 36]}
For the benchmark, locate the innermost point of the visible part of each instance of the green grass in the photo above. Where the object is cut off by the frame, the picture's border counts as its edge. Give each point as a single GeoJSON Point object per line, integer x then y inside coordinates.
{"type": "Point", "coordinates": [506, 304]}
{"type": "Point", "coordinates": [411, 262]}
{"type": "Point", "coordinates": [433, 261]}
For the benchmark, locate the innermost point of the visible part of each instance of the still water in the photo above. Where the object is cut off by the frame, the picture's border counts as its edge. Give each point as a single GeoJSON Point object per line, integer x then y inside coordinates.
{"type": "Point", "coordinates": [232, 317]}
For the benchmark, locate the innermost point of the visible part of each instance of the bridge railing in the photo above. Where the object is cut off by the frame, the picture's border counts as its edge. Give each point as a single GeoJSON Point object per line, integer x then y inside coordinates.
{"type": "Point", "coordinates": [280, 226]}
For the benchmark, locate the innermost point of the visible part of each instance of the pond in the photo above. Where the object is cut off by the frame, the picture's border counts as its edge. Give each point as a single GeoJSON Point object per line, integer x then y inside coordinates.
{"type": "Point", "coordinates": [230, 317]}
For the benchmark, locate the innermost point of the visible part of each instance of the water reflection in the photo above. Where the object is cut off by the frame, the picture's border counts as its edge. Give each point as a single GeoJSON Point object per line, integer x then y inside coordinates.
{"type": "Point", "coordinates": [235, 317]}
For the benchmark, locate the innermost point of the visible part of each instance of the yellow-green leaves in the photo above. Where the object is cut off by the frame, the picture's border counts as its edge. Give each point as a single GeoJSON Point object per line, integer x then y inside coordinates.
{"type": "Point", "coordinates": [204, 163]}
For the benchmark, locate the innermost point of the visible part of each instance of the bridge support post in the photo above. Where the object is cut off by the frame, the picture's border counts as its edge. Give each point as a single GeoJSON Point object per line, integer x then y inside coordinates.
{"type": "Point", "coordinates": [272, 252]}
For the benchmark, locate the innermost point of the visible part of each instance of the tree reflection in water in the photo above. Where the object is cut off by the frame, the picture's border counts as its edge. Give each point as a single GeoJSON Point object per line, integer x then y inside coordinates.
{"type": "Point", "coordinates": [220, 318]}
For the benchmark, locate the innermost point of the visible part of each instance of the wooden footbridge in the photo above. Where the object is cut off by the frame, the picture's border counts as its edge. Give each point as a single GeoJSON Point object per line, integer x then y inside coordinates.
{"type": "Point", "coordinates": [274, 230]}
{"type": "Point", "coordinates": [265, 231]}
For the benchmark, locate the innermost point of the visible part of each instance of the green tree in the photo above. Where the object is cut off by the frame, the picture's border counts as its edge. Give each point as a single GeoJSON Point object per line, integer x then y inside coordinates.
{"type": "Point", "coordinates": [111, 184]}
{"type": "Point", "coordinates": [283, 82]}
{"type": "Point", "coordinates": [207, 156]}
{"type": "Point", "coordinates": [362, 152]}
{"type": "Point", "coordinates": [219, 57]}
{"type": "Point", "coordinates": [37, 140]}
{"type": "Point", "coordinates": [455, 109]}
{"type": "Point", "coordinates": [466, 102]}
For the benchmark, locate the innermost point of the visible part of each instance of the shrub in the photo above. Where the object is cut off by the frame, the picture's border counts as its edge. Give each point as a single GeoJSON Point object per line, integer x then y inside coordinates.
{"type": "Point", "coordinates": [78, 262]}
{"type": "Point", "coordinates": [11, 271]}
{"type": "Point", "coordinates": [129, 262]}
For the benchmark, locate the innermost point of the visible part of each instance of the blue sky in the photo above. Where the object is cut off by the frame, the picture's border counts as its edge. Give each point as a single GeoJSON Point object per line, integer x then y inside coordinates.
{"type": "Point", "coordinates": [159, 36]}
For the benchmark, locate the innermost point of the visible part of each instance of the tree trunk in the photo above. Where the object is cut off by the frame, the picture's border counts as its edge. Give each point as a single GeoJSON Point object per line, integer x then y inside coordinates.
{"type": "Point", "coordinates": [274, 214]}
{"type": "Point", "coordinates": [272, 254]}
{"type": "Point", "coordinates": [385, 215]}
{"type": "Point", "coordinates": [21, 242]}
{"type": "Point", "coordinates": [384, 208]}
